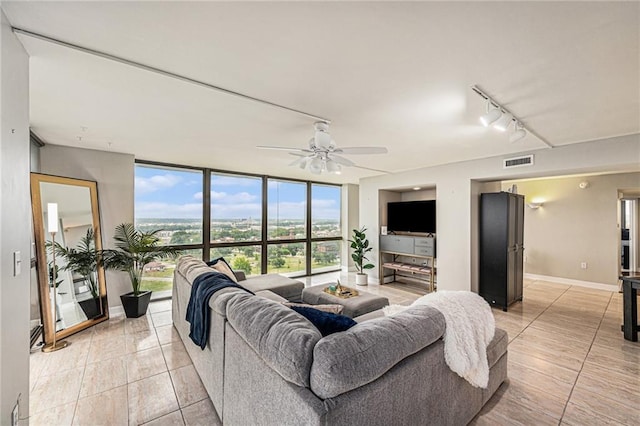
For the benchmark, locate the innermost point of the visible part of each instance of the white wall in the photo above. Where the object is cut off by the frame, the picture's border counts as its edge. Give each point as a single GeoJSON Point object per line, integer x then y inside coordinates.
{"type": "Point", "coordinates": [456, 192]}
{"type": "Point", "coordinates": [573, 226]}
{"type": "Point", "coordinates": [15, 224]}
{"type": "Point", "coordinates": [114, 173]}
{"type": "Point", "coordinates": [350, 213]}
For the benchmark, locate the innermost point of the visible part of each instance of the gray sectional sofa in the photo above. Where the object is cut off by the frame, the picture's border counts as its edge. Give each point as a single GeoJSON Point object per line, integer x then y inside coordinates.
{"type": "Point", "coordinates": [265, 364]}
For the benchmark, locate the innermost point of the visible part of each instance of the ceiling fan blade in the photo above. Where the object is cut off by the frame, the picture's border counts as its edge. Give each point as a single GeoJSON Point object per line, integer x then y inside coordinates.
{"type": "Point", "coordinates": [297, 154]}
{"type": "Point", "coordinates": [341, 160]}
{"type": "Point", "coordinates": [282, 148]}
{"type": "Point", "coordinates": [297, 161]}
{"type": "Point", "coordinates": [361, 150]}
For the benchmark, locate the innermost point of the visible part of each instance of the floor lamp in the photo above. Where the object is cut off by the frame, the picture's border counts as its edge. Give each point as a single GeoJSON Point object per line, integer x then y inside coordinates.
{"type": "Point", "coordinates": [52, 216]}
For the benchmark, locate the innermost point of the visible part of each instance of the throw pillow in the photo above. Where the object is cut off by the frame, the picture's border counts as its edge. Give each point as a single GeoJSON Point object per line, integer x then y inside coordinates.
{"type": "Point", "coordinates": [221, 265]}
{"type": "Point", "coordinates": [326, 322]}
{"type": "Point", "coordinates": [334, 309]}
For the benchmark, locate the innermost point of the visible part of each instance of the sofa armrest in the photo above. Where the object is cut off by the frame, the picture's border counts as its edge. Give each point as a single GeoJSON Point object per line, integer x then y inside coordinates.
{"type": "Point", "coordinates": [240, 275]}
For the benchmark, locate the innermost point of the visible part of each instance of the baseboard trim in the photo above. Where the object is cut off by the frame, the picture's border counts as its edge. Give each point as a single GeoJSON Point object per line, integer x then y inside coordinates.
{"type": "Point", "coordinates": [569, 281]}
{"type": "Point", "coordinates": [116, 310]}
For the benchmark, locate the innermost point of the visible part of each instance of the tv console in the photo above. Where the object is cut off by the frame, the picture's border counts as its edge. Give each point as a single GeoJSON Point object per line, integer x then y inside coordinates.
{"type": "Point", "coordinates": [410, 257]}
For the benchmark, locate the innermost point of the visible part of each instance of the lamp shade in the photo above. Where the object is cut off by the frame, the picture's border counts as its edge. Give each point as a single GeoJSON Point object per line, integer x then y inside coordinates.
{"type": "Point", "coordinates": [315, 166]}
{"type": "Point", "coordinates": [333, 167]}
{"type": "Point", "coordinates": [52, 217]}
{"type": "Point", "coordinates": [490, 117]}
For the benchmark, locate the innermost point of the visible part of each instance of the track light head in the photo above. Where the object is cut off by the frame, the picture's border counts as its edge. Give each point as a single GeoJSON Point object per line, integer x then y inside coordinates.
{"type": "Point", "coordinates": [503, 123]}
{"type": "Point", "coordinates": [490, 117]}
{"type": "Point", "coordinates": [518, 133]}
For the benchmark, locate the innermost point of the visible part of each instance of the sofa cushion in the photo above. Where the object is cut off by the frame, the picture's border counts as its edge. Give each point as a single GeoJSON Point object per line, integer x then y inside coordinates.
{"type": "Point", "coordinates": [497, 347]}
{"type": "Point", "coordinates": [281, 337]}
{"type": "Point", "coordinates": [334, 309]}
{"type": "Point", "coordinates": [190, 267]}
{"type": "Point", "coordinates": [326, 322]}
{"type": "Point", "coordinates": [279, 284]}
{"type": "Point", "coordinates": [348, 360]}
{"type": "Point", "coordinates": [221, 265]}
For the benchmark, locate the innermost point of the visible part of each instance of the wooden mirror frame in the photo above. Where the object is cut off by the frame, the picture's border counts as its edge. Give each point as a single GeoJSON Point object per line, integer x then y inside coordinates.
{"type": "Point", "coordinates": [41, 254]}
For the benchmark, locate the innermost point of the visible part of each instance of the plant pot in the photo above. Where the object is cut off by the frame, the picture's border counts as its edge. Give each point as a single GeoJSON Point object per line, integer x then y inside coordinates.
{"type": "Point", "coordinates": [135, 306]}
{"type": "Point", "coordinates": [91, 307]}
{"type": "Point", "coordinates": [362, 279]}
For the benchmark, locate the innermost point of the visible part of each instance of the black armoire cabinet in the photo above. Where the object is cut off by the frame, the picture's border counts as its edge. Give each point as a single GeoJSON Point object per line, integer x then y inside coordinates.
{"type": "Point", "coordinates": [501, 248]}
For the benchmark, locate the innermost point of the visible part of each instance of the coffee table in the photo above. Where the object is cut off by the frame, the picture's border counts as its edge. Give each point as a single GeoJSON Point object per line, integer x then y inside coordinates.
{"type": "Point", "coordinates": [355, 306]}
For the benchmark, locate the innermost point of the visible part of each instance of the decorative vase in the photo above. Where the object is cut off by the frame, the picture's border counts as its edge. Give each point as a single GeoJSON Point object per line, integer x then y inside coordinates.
{"type": "Point", "coordinates": [362, 279]}
{"type": "Point", "coordinates": [135, 306]}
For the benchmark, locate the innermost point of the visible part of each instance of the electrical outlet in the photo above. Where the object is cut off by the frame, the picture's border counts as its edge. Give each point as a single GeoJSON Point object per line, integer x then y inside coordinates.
{"type": "Point", "coordinates": [413, 260]}
{"type": "Point", "coordinates": [583, 265]}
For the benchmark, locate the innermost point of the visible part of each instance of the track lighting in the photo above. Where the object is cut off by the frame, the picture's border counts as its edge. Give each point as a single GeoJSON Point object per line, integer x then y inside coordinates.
{"type": "Point", "coordinates": [491, 116]}
{"type": "Point", "coordinates": [500, 118]}
{"type": "Point", "coordinates": [518, 133]}
{"type": "Point", "coordinates": [504, 122]}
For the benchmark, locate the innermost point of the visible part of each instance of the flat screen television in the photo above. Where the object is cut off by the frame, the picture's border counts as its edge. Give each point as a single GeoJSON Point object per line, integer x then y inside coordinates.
{"type": "Point", "coordinates": [412, 216]}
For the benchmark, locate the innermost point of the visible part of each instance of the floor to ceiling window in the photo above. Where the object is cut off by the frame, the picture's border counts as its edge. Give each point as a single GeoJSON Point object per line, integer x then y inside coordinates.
{"type": "Point", "coordinates": [259, 224]}
{"type": "Point", "coordinates": [170, 200]}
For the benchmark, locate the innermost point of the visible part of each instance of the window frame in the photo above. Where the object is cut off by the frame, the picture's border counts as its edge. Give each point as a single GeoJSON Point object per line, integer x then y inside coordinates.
{"type": "Point", "coordinates": [264, 242]}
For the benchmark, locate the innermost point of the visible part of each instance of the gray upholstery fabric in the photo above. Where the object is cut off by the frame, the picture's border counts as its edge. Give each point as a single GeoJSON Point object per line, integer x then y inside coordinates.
{"type": "Point", "coordinates": [347, 360]}
{"type": "Point", "coordinates": [497, 375]}
{"type": "Point", "coordinates": [282, 338]}
{"type": "Point", "coordinates": [420, 390]}
{"type": "Point", "coordinates": [267, 294]}
{"type": "Point", "coordinates": [256, 395]}
{"type": "Point", "coordinates": [208, 362]}
{"type": "Point", "coordinates": [353, 306]}
{"type": "Point", "coordinates": [497, 346]}
{"type": "Point", "coordinates": [371, 315]}
{"type": "Point", "coordinates": [279, 284]}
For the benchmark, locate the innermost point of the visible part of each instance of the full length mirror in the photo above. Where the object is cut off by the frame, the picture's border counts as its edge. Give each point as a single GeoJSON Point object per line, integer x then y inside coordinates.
{"type": "Point", "coordinates": [66, 222]}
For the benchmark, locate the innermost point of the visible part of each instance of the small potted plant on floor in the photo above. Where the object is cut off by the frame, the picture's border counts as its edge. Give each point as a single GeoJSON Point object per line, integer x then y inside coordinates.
{"type": "Point", "coordinates": [83, 260]}
{"type": "Point", "coordinates": [134, 249]}
{"type": "Point", "coordinates": [360, 246]}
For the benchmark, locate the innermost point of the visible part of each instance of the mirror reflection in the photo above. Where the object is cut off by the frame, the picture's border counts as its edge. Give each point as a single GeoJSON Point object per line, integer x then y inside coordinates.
{"type": "Point", "coordinates": [66, 222]}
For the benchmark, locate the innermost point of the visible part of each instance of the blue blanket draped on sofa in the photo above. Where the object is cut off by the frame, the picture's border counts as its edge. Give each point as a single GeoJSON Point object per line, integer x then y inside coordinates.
{"type": "Point", "coordinates": [204, 286]}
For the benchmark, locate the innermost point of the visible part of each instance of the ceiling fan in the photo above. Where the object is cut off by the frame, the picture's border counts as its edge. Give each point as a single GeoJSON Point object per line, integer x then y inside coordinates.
{"type": "Point", "coordinates": [323, 154]}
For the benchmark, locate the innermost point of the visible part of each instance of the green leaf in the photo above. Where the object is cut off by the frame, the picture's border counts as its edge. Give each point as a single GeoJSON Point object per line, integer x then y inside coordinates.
{"type": "Point", "coordinates": [367, 266]}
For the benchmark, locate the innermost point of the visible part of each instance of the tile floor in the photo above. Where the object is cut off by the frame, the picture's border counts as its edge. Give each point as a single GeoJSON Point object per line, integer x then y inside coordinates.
{"type": "Point", "coordinates": [568, 364]}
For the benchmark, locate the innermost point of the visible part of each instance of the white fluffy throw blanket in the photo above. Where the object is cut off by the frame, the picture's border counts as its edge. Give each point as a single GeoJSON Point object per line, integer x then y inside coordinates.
{"type": "Point", "coordinates": [470, 326]}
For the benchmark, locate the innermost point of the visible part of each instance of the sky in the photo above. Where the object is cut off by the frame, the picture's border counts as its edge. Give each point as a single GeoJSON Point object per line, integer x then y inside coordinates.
{"type": "Point", "coordinates": [163, 193]}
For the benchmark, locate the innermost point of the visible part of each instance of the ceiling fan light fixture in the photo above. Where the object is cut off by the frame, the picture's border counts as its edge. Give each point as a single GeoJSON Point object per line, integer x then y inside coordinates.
{"type": "Point", "coordinates": [333, 167]}
{"type": "Point", "coordinates": [316, 166]}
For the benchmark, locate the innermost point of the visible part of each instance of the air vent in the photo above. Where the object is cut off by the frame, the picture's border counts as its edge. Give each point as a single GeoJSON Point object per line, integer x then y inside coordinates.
{"type": "Point", "coordinates": [523, 161]}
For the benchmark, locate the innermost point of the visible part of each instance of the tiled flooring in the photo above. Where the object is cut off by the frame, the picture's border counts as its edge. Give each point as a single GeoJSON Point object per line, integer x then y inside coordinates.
{"type": "Point", "coordinates": [568, 364]}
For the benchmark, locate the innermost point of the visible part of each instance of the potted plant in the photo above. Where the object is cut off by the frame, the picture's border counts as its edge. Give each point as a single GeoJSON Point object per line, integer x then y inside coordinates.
{"type": "Point", "coordinates": [360, 246]}
{"type": "Point", "coordinates": [83, 260]}
{"type": "Point", "coordinates": [134, 249]}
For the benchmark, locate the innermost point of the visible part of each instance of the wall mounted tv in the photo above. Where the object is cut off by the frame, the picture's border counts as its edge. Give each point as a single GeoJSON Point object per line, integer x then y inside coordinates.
{"type": "Point", "coordinates": [412, 216]}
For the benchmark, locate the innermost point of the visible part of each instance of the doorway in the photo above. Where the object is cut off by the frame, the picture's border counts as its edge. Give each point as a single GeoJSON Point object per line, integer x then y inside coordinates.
{"type": "Point", "coordinates": [629, 228]}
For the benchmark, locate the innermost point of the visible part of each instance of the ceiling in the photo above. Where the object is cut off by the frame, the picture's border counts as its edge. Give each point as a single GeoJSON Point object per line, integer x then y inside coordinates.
{"type": "Point", "coordinates": [388, 74]}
